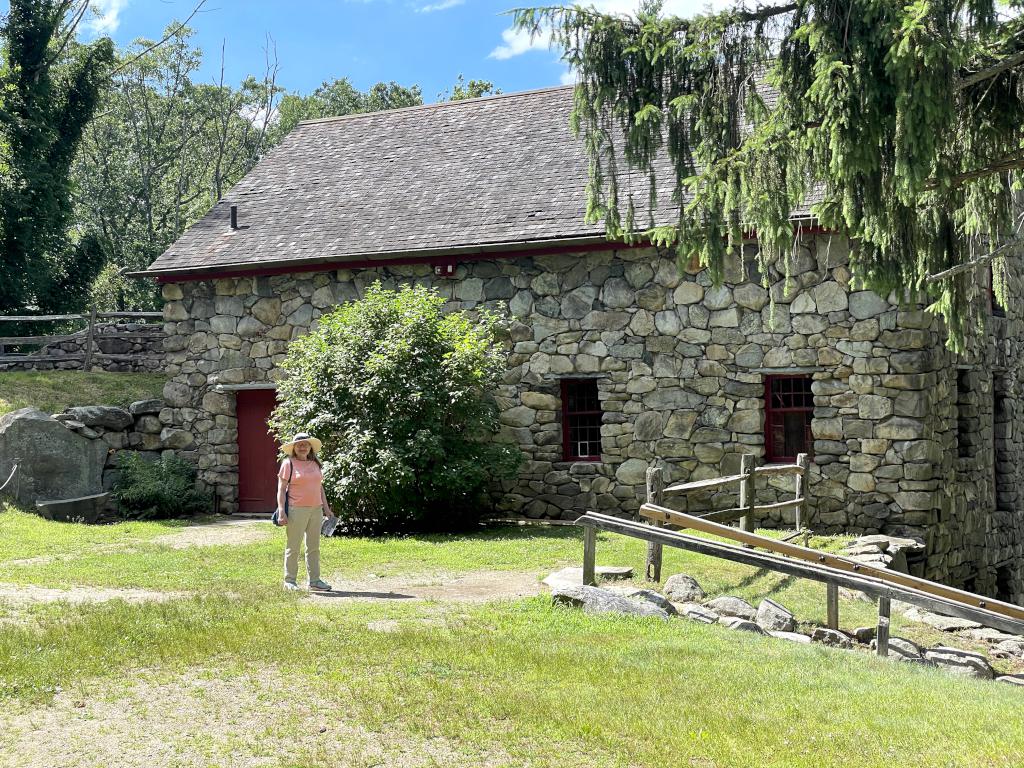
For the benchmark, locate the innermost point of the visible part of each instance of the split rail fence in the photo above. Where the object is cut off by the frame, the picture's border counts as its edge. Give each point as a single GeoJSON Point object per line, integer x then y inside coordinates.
{"type": "Point", "coordinates": [658, 522]}
{"type": "Point", "coordinates": [91, 350]}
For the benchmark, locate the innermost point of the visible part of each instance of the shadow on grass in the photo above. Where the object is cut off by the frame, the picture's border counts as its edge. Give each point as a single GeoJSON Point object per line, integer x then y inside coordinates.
{"type": "Point", "coordinates": [363, 595]}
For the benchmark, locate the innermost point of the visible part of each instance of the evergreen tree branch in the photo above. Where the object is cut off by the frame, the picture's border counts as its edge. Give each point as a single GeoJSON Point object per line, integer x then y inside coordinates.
{"type": "Point", "coordinates": [1002, 250]}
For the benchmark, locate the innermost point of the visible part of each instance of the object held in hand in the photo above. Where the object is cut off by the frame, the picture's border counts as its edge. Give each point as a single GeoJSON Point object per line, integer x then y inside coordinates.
{"type": "Point", "coordinates": [328, 526]}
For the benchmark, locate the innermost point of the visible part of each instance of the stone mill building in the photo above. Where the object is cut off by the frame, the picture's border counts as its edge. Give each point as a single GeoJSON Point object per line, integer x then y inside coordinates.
{"type": "Point", "coordinates": [617, 359]}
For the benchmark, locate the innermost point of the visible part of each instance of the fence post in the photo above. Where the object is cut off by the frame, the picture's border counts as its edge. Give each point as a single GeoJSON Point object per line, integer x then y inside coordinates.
{"type": "Point", "coordinates": [87, 365]}
{"type": "Point", "coordinates": [590, 556]}
{"type": "Point", "coordinates": [655, 495]}
{"type": "Point", "coordinates": [801, 461]}
{"type": "Point", "coordinates": [746, 489]}
{"type": "Point", "coordinates": [832, 607]}
{"type": "Point", "coordinates": [882, 636]}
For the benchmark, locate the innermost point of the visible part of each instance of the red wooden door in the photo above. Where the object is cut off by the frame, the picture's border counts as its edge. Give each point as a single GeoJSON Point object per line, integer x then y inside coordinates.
{"type": "Point", "coordinates": [257, 451]}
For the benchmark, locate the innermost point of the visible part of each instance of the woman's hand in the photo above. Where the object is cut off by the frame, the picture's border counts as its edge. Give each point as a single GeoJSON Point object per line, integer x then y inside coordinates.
{"type": "Point", "coordinates": [329, 512]}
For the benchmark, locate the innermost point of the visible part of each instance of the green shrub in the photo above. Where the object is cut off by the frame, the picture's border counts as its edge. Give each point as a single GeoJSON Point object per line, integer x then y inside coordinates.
{"type": "Point", "coordinates": [158, 489]}
{"type": "Point", "coordinates": [401, 395]}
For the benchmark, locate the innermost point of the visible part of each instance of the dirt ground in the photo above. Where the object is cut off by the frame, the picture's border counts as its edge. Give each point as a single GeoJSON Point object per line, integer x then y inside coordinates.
{"type": "Point", "coordinates": [211, 719]}
{"type": "Point", "coordinates": [219, 533]}
{"type": "Point", "coordinates": [475, 587]}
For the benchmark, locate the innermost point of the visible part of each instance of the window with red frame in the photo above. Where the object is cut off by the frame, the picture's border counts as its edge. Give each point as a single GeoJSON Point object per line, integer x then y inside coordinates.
{"type": "Point", "coordinates": [788, 409]}
{"type": "Point", "coordinates": [581, 420]}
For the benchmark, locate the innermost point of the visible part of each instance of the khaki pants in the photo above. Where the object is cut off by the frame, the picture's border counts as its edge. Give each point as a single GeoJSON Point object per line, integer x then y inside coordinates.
{"type": "Point", "coordinates": [303, 521]}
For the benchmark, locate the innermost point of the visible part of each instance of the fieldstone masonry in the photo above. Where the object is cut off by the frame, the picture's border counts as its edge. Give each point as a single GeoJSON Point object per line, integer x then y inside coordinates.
{"type": "Point", "coordinates": [680, 368]}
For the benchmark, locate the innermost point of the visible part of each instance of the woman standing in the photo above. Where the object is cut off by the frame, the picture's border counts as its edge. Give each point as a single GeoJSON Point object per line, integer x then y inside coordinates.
{"type": "Point", "coordinates": [301, 479]}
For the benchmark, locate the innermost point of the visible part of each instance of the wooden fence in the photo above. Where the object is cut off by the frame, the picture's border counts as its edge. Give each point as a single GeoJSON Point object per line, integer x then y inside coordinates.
{"type": "Point", "coordinates": [91, 351]}
{"type": "Point", "coordinates": [656, 493]}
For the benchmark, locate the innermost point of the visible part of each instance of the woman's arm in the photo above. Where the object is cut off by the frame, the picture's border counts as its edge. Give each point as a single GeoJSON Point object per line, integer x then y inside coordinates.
{"type": "Point", "coordinates": [282, 486]}
{"type": "Point", "coordinates": [323, 501]}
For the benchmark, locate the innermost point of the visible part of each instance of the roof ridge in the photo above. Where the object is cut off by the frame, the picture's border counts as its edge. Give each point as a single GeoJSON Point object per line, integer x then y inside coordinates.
{"type": "Point", "coordinates": [435, 105]}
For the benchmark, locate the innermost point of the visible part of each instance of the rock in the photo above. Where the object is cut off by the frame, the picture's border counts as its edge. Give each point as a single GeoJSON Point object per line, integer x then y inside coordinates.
{"type": "Point", "coordinates": [519, 416]}
{"type": "Point", "coordinates": [864, 634]}
{"type": "Point", "coordinates": [688, 293]}
{"type": "Point", "coordinates": [649, 425]}
{"type": "Point", "coordinates": [989, 635]}
{"type": "Point", "coordinates": [632, 472]}
{"type": "Point", "coordinates": [176, 439]}
{"type": "Point", "coordinates": [143, 407]}
{"type": "Point", "coordinates": [829, 297]}
{"type": "Point", "coordinates": [646, 595]}
{"type": "Point", "coordinates": [697, 612]}
{"type": "Point", "coordinates": [832, 637]}
{"type": "Point", "coordinates": [267, 311]}
{"type": "Point", "coordinates": [793, 637]}
{"type": "Point", "coordinates": [774, 617]}
{"type": "Point", "coordinates": [945, 623]}
{"type": "Point", "coordinates": [959, 662]}
{"type": "Point", "coordinates": [865, 304]}
{"type": "Point", "coordinates": [683, 589]}
{"type": "Point", "coordinates": [732, 606]}
{"type": "Point", "coordinates": [597, 600]}
{"type": "Point", "coordinates": [1009, 649]}
{"type": "Point", "coordinates": [177, 394]}
{"type": "Point", "coordinates": [901, 649]}
{"type": "Point", "coordinates": [54, 462]}
{"type": "Point", "coordinates": [573, 577]}
{"type": "Point", "coordinates": [104, 416]}
{"type": "Point", "coordinates": [1011, 679]}
{"type": "Point", "coordinates": [735, 622]}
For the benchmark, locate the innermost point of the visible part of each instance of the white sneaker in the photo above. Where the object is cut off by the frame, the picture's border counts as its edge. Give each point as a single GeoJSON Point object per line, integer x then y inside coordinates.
{"type": "Point", "coordinates": [290, 585]}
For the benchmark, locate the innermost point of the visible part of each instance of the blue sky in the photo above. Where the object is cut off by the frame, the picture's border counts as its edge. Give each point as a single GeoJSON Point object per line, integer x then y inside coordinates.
{"type": "Point", "coordinates": [424, 42]}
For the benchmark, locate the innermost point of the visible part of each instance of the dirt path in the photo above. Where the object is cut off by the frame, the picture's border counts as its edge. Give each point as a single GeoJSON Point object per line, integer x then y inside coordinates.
{"type": "Point", "coordinates": [212, 719]}
{"type": "Point", "coordinates": [474, 587]}
{"type": "Point", "coordinates": [19, 595]}
{"type": "Point", "coordinates": [216, 534]}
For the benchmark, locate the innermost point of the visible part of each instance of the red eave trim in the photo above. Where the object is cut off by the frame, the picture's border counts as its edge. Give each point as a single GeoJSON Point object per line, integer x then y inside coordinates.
{"type": "Point", "coordinates": [329, 266]}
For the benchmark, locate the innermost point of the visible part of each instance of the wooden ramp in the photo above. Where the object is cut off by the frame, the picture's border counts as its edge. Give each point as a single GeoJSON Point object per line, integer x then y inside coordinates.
{"type": "Point", "coordinates": [794, 560]}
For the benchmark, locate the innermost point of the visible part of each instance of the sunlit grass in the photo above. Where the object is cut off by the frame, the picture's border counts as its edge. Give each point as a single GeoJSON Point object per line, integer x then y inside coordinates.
{"type": "Point", "coordinates": [53, 391]}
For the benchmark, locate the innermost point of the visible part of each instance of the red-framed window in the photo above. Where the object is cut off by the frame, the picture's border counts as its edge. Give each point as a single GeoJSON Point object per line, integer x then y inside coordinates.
{"type": "Point", "coordinates": [788, 409]}
{"type": "Point", "coordinates": [581, 420]}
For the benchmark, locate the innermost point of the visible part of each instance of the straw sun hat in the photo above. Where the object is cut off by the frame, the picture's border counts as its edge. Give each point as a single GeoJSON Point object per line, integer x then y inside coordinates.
{"type": "Point", "coordinates": [289, 447]}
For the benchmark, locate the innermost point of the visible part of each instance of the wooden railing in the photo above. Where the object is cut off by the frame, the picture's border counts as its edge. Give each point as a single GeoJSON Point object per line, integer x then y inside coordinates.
{"type": "Point", "coordinates": [90, 352]}
{"type": "Point", "coordinates": [656, 493]}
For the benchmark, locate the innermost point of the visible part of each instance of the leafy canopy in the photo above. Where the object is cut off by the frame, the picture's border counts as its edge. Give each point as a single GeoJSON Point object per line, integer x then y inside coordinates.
{"type": "Point", "coordinates": [902, 122]}
{"type": "Point", "coordinates": [400, 394]}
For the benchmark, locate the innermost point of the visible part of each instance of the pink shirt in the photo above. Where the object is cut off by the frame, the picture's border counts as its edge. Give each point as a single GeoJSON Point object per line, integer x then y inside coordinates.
{"type": "Point", "coordinates": [307, 479]}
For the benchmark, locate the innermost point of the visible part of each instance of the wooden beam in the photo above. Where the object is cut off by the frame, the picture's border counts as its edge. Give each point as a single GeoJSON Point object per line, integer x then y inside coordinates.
{"type": "Point", "coordinates": [36, 339]}
{"type": "Point", "coordinates": [734, 513]}
{"type": "Point", "coordinates": [38, 318]}
{"type": "Point", "coordinates": [655, 494]}
{"type": "Point", "coordinates": [801, 463]}
{"type": "Point", "coordinates": [682, 520]}
{"type": "Point", "coordinates": [779, 469]}
{"type": "Point", "coordinates": [746, 490]}
{"type": "Point", "coordinates": [703, 485]}
{"type": "Point", "coordinates": [832, 606]}
{"type": "Point", "coordinates": [590, 557]}
{"type": "Point", "coordinates": [72, 358]}
{"type": "Point", "coordinates": [132, 315]}
{"type": "Point", "coordinates": [815, 572]}
{"type": "Point", "coordinates": [882, 634]}
{"type": "Point", "coordinates": [87, 365]}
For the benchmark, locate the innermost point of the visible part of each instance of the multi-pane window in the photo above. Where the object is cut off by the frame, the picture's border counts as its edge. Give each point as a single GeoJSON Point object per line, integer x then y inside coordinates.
{"type": "Point", "coordinates": [581, 420]}
{"type": "Point", "coordinates": [788, 409]}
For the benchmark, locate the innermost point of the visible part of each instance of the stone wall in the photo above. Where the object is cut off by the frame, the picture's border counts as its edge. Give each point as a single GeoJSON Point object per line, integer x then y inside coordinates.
{"type": "Point", "coordinates": [680, 368]}
{"type": "Point", "coordinates": [145, 350]}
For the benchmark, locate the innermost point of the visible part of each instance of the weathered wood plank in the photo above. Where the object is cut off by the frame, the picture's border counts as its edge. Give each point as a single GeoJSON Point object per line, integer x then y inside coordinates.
{"type": "Point", "coordinates": [703, 485]}
{"type": "Point", "coordinates": [132, 315]}
{"type": "Point", "coordinates": [747, 467]}
{"type": "Point", "coordinates": [882, 634]}
{"type": "Point", "coordinates": [815, 572]}
{"type": "Point", "coordinates": [832, 606]}
{"type": "Point", "coordinates": [655, 551]}
{"type": "Point", "coordinates": [590, 557]}
{"type": "Point", "coordinates": [41, 358]}
{"type": "Point", "coordinates": [39, 317]}
{"type": "Point", "coordinates": [801, 462]}
{"type": "Point", "coordinates": [835, 561]}
{"type": "Point", "coordinates": [89, 336]}
{"type": "Point", "coordinates": [36, 339]}
{"type": "Point", "coordinates": [778, 469]}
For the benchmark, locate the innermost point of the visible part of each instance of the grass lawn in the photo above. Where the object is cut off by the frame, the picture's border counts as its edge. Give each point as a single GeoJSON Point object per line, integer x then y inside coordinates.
{"type": "Point", "coordinates": [240, 673]}
{"type": "Point", "coordinates": [53, 391]}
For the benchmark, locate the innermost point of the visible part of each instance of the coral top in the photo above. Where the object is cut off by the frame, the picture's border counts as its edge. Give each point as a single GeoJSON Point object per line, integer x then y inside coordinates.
{"type": "Point", "coordinates": [305, 485]}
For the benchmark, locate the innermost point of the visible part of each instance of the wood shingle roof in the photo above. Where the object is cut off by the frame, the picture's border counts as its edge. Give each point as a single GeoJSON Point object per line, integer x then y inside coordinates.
{"type": "Point", "coordinates": [460, 177]}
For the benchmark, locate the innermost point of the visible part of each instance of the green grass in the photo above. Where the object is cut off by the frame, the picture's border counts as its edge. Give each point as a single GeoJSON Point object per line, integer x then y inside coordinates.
{"type": "Point", "coordinates": [53, 391]}
{"type": "Point", "coordinates": [512, 683]}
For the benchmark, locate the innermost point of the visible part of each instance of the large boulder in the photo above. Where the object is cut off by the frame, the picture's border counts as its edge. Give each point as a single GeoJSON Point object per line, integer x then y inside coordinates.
{"type": "Point", "coordinates": [732, 606]}
{"type": "Point", "coordinates": [597, 600]}
{"type": "Point", "coordinates": [55, 463]}
{"type": "Point", "coordinates": [960, 662]}
{"type": "Point", "coordinates": [105, 416]}
{"type": "Point", "coordinates": [774, 617]}
{"type": "Point", "coordinates": [683, 589]}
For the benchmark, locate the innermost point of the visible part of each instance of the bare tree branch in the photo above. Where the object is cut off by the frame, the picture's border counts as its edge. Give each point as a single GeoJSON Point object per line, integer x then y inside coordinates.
{"type": "Point", "coordinates": [174, 32]}
{"type": "Point", "coordinates": [1002, 250]}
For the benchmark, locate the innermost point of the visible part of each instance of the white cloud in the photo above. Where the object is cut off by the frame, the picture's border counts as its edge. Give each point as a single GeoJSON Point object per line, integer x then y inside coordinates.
{"type": "Point", "coordinates": [518, 42]}
{"type": "Point", "coordinates": [568, 77]}
{"type": "Point", "coordinates": [443, 5]}
{"type": "Point", "coordinates": [105, 16]}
